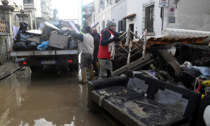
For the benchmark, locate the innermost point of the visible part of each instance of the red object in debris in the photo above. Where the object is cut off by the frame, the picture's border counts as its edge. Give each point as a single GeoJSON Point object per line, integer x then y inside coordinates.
{"type": "Point", "coordinates": [70, 61]}
{"type": "Point", "coordinates": [25, 63]}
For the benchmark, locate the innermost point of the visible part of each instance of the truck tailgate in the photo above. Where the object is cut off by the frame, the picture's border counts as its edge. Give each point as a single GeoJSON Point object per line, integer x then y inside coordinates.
{"type": "Point", "coordinates": [43, 53]}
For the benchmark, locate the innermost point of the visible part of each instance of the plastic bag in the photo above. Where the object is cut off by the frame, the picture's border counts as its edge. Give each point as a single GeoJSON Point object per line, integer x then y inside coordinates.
{"type": "Point", "coordinates": [20, 46]}
{"type": "Point", "coordinates": [23, 28]}
{"type": "Point", "coordinates": [24, 37]}
{"type": "Point", "coordinates": [43, 45]}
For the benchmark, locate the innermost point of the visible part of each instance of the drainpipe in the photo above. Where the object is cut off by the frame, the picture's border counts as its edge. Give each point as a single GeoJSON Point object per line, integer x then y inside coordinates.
{"type": "Point", "coordinates": [162, 15]}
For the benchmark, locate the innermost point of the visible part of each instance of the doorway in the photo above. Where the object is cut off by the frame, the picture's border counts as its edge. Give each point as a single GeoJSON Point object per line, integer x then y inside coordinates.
{"type": "Point", "coordinates": [131, 26]}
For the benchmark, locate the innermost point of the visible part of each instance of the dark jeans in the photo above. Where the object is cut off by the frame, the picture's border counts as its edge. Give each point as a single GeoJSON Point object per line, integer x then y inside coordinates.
{"type": "Point", "coordinates": [95, 65]}
{"type": "Point", "coordinates": [86, 61]}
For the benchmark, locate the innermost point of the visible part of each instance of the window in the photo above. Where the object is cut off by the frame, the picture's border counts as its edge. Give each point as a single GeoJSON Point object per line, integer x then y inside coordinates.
{"type": "Point", "coordinates": [149, 13]}
{"type": "Point", "coordinates": [28, 1]}
{"type": "Point", "coordinates": [122, 25]}
{"type": "Point", "coordinates": [101, 4]}
{"type": "Point", "coordinates": [108, 2]}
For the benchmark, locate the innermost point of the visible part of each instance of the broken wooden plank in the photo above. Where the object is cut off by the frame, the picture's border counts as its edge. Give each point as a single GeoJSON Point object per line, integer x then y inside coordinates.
{"type": "Point", "coordinates": [132, 65]}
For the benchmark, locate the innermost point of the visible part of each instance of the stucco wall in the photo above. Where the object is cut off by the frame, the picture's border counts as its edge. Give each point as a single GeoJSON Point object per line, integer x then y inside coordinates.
{"type": "Point", "coordinates": [190, 14]}
{"type": "Point", "coordinates": [119, 10]}
{"type": "Point", "coordinates": [138, 7]}
{"type": "Point", "coordinates": [104, 15]}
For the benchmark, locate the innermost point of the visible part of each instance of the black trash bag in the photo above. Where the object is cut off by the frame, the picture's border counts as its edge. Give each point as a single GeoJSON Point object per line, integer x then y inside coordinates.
{"type": "Point", "coordinates": [189, 76]}
{"type": "Point", "coordinates": [32, 45]}
{"type": "Point", "coordinates": [23, 29]}
{"type": "Point", "coordinates": [24, 37]}
{"type": "Point", "coordinates": [20, 46]}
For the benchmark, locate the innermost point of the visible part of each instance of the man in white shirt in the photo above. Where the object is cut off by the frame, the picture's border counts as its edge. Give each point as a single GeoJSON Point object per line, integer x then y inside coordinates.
{"type": "Point", "coordinates": [87, 49]}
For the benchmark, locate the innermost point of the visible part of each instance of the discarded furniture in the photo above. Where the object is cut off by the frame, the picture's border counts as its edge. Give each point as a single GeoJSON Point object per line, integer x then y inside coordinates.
{"type": "Point", "coordinates": [135, 65]}
{"type": "Point", "coordinates": [137, 100]}
{"type": "Point", "coordinates": [131, 49]}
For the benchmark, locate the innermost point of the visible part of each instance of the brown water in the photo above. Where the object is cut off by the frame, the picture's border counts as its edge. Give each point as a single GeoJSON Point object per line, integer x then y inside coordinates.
{"type": "Point", "coordinates": [49, 101]}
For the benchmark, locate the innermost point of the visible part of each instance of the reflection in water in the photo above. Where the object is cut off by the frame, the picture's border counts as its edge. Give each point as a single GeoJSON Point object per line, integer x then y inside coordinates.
{"type": "Point", "coordinates": [43, 122]}
{"type": "Point", "coordinates": [11, 91]}
{"type": "Point", "coordinates": [48, 101]}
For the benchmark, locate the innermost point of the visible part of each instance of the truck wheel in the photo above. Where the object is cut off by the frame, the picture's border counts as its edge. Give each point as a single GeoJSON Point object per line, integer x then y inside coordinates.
{"type": "Point", "coordinates": [203, 105]}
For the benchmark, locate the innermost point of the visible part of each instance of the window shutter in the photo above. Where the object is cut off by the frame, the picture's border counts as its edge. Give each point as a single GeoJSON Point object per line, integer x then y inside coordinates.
{"type": "Point", "coordinates": [119, 26]}
{"type": "Point", "coordinates": [124, 25]}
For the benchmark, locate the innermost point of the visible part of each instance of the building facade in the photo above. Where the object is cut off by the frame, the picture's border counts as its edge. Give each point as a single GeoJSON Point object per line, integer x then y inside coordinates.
{"type": "Point", "coordinates": [88, 11]}
{"type": "Point", "coordinates": [102, 13]}
{"type": "Point", "coordinates": [137, 15]}
{"type": "Point", "coordinates": [194, 16]}
{"type": "Point", "coordinates": [17, 4]}
{"type": "Point", "coordinates": [46, 8]}
{"type": "Point", "coordinates": [34, 6]}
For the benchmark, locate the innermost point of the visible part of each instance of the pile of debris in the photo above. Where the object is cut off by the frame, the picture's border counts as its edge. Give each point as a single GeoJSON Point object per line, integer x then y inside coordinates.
{"type": "Point", "coordinates": [183, 60]}
{"type": "Point", "coordinates": [49, 37]}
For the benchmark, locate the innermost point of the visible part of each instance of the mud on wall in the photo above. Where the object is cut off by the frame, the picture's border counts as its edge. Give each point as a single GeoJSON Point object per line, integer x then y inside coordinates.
{"type": "Point", "coordinates": [11, 91]}
{"type": "Point", "coordinates": [189, 14]}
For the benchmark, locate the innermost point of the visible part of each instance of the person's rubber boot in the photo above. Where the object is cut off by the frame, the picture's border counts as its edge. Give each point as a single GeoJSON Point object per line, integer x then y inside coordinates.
{"type": "Point", "coordinates": [84, 77]}
{"type": "Point", "coordinates": [91, 75]}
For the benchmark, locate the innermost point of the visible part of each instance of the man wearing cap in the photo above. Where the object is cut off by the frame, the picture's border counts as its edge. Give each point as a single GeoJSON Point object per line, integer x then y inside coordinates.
{"type": "Point", "coordinates": [107, 40]}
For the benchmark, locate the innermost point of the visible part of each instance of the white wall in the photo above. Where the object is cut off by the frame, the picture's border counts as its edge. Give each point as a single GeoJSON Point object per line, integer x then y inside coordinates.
{"type": "Point", "coordinates": [190, 14]}
{"type": "Point", "coordinates": [138, 7]}
{"type": "Point", "coordinates": [103, 15]}
{"type": "Point", "coordinates": [119, 11]}
{"type": "Point", "coordinates": [37, 4]}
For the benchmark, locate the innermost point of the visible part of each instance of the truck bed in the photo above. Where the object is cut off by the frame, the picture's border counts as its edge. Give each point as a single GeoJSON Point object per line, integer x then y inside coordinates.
{"type": "Point", "coordinates": [43, 53]}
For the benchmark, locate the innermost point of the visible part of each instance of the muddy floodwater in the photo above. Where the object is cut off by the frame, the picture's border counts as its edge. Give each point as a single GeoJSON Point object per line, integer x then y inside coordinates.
{"type": "Point", "coordinates": [50, 100]}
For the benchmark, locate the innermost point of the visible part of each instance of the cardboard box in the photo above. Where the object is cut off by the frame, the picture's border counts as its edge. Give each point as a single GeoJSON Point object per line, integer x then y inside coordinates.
{"type": "Point", "coordinates": [58, 41]}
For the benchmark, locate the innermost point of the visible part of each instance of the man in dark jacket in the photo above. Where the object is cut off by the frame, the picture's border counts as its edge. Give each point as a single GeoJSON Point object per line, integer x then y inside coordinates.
{"type": "Point", "coordinates": [107, 41]}
{"type": "Point", "coordinates": [96, 37]}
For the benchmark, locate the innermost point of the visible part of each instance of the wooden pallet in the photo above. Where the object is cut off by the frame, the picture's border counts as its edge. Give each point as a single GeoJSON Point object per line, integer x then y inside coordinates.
{"type": "Point", "coordinates": [134, 48]}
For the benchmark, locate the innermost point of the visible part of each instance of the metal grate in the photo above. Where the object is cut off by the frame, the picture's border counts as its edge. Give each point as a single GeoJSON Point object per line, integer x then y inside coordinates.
{"type": "Point", "coordinates": [2, 26]}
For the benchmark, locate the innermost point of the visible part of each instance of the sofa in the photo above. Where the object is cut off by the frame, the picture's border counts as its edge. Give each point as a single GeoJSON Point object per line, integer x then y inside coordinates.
{"type": "Point", "coordinates": [139, 100]}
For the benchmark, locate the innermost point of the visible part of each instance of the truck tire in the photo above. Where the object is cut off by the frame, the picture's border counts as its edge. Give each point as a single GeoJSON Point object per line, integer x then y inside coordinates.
{"type": "Point", "coordinates": [204, 103]}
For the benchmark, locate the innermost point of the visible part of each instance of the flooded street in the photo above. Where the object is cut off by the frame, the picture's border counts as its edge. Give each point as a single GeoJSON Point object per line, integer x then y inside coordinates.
{"type": "Point", "coordinates": [52, 100]}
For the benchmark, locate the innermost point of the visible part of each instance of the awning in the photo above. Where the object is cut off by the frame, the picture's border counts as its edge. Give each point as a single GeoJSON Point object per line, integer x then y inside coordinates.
{"type": "Point", "coordinates": [130, 16]}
